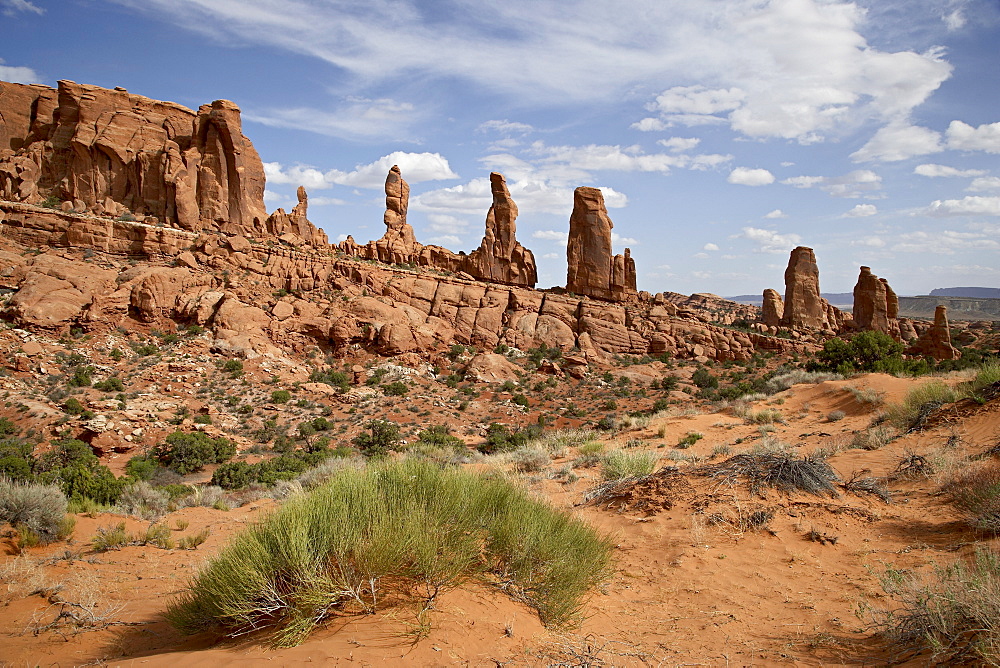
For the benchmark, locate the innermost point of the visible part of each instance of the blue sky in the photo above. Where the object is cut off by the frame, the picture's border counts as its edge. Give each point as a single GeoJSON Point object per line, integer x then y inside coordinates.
{"type": "Point", "coordinates": [723, 133]}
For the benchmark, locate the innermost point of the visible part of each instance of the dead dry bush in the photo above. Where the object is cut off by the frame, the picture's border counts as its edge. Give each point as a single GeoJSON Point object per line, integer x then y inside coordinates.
{"type": "Point", "coordinates": [976, 494]}
{"type": "Point", "coordinates": [785, 472]}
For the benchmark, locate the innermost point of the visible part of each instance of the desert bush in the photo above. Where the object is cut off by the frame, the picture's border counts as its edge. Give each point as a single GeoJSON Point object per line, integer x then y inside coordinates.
{"type": "Point", "coordinates": [589, 453]}
{"type": "Point", "coordinates": [689, 439]}
{"type": "Point", "coordinates": [780, 470]}
{"type": "Point", "coordinates": [865, 351]}
{"type": "Point", "coordinates": [189, 452]}
{"type": "Point", "coordinates": [866, 395]}
{"type": "Point", "coordinates": [281, 396]}
{"type": "Point", "coordinates": [192, 541]}
{"type": "Point", "coordinates": [873, 437]}
{"type": "Point", "coordinates": [783, 381]}
{"type": "Point", "coordinates": [530, 458]}
{"type": "Point", "coordinates": [618, 464]}
{"type": "Point", "coordinates": [381, 437]}
{"type": "Point", "coordinates": [985, 383]}
{"type": "Point", "coordinates": [141, 467]}
{"type": "Point", "coordinates": [976, 495]}
{"type": "Point", "coordinates": [112, 384]}
{"type": "Point", "coordinates": [393, 529]}
{"type": "Point", "coordinates": [110, 538]}
{"type": "Point", "coordinates": [327, 469]}
{"type": "Point", "coordinates": [501, 438]}
{"type": "Point", "coordinates": [920, 402]}
{"type": "Point", "coordinates": [704, 379]}
{"type": "Point", "coordinates": [158, 535]}
{"type": "Point", "coordinates": [396, 388]}
{"type": "Point", "coordinates": [143, 500]}
{"type": "Point", "coordinates": [39, 508]}
{"type": "Point", "coordinates": [955, 615]}
{"type": "Point", "coordinates": [763, 416]}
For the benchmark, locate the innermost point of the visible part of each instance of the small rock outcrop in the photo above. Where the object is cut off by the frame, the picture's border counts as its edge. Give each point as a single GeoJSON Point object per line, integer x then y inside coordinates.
{"type": "Point", "coordinates": [876, 307]}
{"type": "Point", "coordinates": [296, 224]}
{"type": "Point", "coordinates": [111, 153]}
{"type": "Point", "coordinates": [772, 308]}
{"type": "Point", "coordinates": [804, 308]}
{"type": "Point", "coordinates": [501, 257]}
{"type": "Point", "coordinates": [936, 341]}
{"type": "Point", "coordinates": [592, 270]}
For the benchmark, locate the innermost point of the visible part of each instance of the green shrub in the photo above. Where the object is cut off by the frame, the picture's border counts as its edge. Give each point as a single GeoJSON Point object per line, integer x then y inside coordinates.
{"type": "Point", "coordinates": [618, 464]}
{"type": "Point", "coordinates": [865, 351]}
{"type": "Point", "coordinates": [233, 367]}
{"type": "Point", "coordinates": [383, 533]}
{"type": "Point", "coordinates": [689, 439]}
{"type": "Point", "coordinates": [189, 452]}
{"type": "Point", "coordinates": [143, 500]}
{"type": "Point", "coordinates": [112, 384]}
{"type": "Point", "coordinates": [141, 467]}
{"type": "Point", "coordinates": [440, 435]}
{"type": "Point", "coordinates": [73, 406]}
{"type": "Point", "coordinates": [704, 379]}
{"type": "Point", "coordinates": [281, 396]}
{"type": "Point", "coordinates": [234, 475]}
{"type": "Point", "coordinates": [395, 389]}
{"type": "Point", "coordinates": [7, 428]}
{"type": "Point", "coordinates": [41, 509]}
{"type": "Point", "coordinates": [110, 538]}
{"type": "Point", "coordinates": [381, 437]}
{"type": "Point", "coordinates": [337, 379]}
{"type": "Point", "coordinates": [81, 377]}
{"type": "Point", "coordinates": [500, 438]}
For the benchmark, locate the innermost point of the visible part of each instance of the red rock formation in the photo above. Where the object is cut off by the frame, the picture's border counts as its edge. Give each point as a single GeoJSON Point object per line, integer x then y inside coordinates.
{"type": "Point", "coordinates": [280, 224]}
{"type": "Point", "coordinates": [772, 308]}
{"type": "Point", "coordinates": [592, 270]}
{"type": "Point", "coordinates": [501, 257]}
{"type": "Point", "coordinates": [876, 306]}
{"type": "Point", "coordinates": [399, 244]}
{"type": "Point", "coordinates": [936, 341]}
{"type": "Point", "coordinates": [804, 307]}
{"type": "Point", "coordinates": [110, 152]}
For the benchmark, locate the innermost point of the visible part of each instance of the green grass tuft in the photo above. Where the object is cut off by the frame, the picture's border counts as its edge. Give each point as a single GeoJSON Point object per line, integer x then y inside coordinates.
{"type": "Point", "coordinates": [393, 532]}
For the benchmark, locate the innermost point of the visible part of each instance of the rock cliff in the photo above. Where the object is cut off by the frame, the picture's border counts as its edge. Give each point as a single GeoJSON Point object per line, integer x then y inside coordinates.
{"type": "Point", "coordinates": [592, 269]}
{"type": "Point", "coordinates": [876, 307]}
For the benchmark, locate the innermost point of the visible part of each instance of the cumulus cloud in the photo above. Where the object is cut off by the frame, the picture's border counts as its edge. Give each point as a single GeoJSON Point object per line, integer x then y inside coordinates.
{"type": "Point", "coordinates": [984, 184]}
{"type": "Point", "coordinates": [24, 75]}
{"type": "Point", "coordinates": [862, 211]}
{"type": "Point", "coordinates": [710, 247]}
{"type": "Point", "coordinates": [933, 171]}
{"type": "Point", "coordinates": [859, 183]}
{"type": "Point", "coordinates": [415, 167]}
{"type": "Point", "coordinates": [777, 213]}
{"type": "Point", "coordinates": [746, 176]}
{"type": "Point", "coordinates": [769, 241]}
{"type": "Point", "coordinates": [899, 141]}
{"type": "Point", "coordinates": [972, 205]}
{"type": "Point", "coordinates": [551, 235]}
{"type": "Point", "coordinates": [964, 137]}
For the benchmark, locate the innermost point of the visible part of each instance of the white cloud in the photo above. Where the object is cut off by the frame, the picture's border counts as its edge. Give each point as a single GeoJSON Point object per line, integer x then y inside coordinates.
{"type": "Point", "coordinates": [296, 175]}
{"type": "Point", "coordinates": [899, 141]}
{"type": "Point", "coordinates": [710, 247]}
{"type": "Point", "coordinates": [445, 224]}
{"type": "Point", "coordinates": [932, 170]}
{"type": "Point", "coordinates": [964, 137]}
{"type": "Point", "coordinates": [745, 176]}
{"type": "Point", "coordinates": [415, 168]}
{"type": "Point", "coordinates": [967, 206]}
{"type": "Point", "coordinates": [954, 20]}
{"type": "Point", "coordinates": [859, 183]}
{"type": "Point", "coordinates": [356, 118]}
{"type": "Point", "coordinates": [795, 69]}
{"type": "Point", "coordinates": [618, 239]}
{"type": "Point", "coordinates": [551, 235]}
{"type": "Point", "coordinates": [777, 213]}
{"type": "Point", "coordinates": [505, 127]}
{"type": "Point", "coordinates": [446, 240]}
{"type": "Point", "coordinates": [862, 211]}
{"type": "Point", "coordinates": [24, 75]}
{"type": "Point", "coordinates": [679, 144]}
{"type": "Point", "coordinates": [12, 7]}
{"type": "Point", "coordinates": [552, 256]}
{"type": "Point", "coordinates": [984, 184]}
{"type": "Point", "coordinates": [649, 125]}
{"type": "Point", "coordinates": [702, 256]}
{"type": "Point", "coordinates": [769, 241]}
{"type": "Point", "coordinates": [944, 241]}
{"type": "Point", "coordinates": [326, 201]}
{"type": "Point", "coordinates": [341, 237]}
{"type": "Point", "coordinates": [869, 242]}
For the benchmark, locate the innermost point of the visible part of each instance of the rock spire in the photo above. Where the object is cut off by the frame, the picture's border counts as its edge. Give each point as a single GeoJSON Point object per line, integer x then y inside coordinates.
{"type": "Point", "coordinates": [592, 269]}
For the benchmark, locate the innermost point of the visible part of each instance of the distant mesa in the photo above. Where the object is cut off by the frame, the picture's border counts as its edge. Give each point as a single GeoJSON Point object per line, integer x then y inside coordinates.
{"type": "Point", "coordinates": [972, 293]}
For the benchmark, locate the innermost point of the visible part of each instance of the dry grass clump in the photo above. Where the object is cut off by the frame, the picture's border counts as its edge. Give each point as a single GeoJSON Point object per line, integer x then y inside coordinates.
{"type": "Point", "coordinates": [835, 416]}
{"type": "Point", "coordinates": [529, 458]}
{"type": "Point", "coordinates": [38, 512]}
{"type": "Point", "coordinates": [911, 414]}
{"type": "Point", "coordinates": [784, 381]}
{"type": "Point", "coordinates": [620, 464]}
{"type": "Point", "coordinates": [976, 494]}
{"type": "Point", "coordinates": [866, 396]}
{"type": "Point", "coordinates": [955, 616]}
{"type": "Point", "coordinates": [143, 500]}
{"type": "Point", "coordinates": [874, 437]}
{"type": "Point", "coordinates": [763, 416]}
{"type": "Point", "coordinates": [389, 533]}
